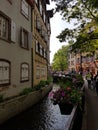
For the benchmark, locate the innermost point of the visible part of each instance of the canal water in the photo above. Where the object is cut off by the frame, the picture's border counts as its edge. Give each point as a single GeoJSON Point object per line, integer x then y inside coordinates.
{"type": "Point", "coordinates": [42, 116]}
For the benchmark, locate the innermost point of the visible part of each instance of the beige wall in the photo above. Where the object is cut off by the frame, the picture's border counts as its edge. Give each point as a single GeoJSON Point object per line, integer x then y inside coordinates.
{"type": "Point", "coordinates": [12, 51]}
{"type": "Point", "coordinates": [37, 59]}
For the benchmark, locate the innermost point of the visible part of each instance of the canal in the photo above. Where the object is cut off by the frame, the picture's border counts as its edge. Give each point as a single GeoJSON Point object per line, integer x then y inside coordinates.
{"type": "Point", "coordinates": [42, 116]}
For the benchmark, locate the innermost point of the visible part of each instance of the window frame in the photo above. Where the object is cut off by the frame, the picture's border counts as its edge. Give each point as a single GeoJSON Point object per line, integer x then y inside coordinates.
{"type": "Point", "coordinates": [8, 20]}
{"type": "Point", "coordinates": [23, 43]}
{"type": "Point", "coordinates": [21, 73]}
{"type": "Point", "coordinates": [37, 72]}
{"type": "Point", "coordinates": [43, 71]}
{"type": "Point", "coordinates": [23, 11]}
{"type": "Point", "coordinates": [9, 72]}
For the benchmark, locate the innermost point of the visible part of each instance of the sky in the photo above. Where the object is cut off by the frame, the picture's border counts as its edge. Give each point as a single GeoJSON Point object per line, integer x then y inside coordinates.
{"type": "Point", "coordinates": [57, 25]}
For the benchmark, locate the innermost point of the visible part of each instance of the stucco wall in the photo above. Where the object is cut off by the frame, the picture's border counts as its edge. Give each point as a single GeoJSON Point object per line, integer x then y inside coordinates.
{"type": "Point", "coordinates": [12, 51]}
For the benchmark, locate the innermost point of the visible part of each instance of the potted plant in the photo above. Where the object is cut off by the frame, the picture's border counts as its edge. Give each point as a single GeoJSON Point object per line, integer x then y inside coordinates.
{"type": "Point", "coordinates": [67, 97]}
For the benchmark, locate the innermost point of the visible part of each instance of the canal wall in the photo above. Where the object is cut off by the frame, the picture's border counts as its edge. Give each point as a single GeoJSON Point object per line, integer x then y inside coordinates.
{"type": "Point", "coordinates": [14, 106]}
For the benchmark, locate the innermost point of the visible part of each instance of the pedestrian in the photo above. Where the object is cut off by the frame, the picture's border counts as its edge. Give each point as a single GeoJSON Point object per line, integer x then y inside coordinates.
{"type": "Point", "coordinates": [92, 81]}
{"type": "Point", "coordinates": [89, 78]}
{"type": "Point", "coordinates": [96, 82]}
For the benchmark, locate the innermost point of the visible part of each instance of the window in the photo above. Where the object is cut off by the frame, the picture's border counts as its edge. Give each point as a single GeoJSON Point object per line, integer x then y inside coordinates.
{"type": "Point", "coordinates": [24, 72]}
{"type": "Point", "coordinates": [78, 60]}
{"type": "Point", "coordinates": [44, 17]}
{"type": "Point", "coordinates": [25, 8]}
{"type": "Point", "coordinates": [41, 50]}
{"type": "Point", "coordinates": [72, 62]}
{"type": "Point", "coordinates": [38, 24]}
{"type": "Point", "coordinates": [40, 6]}
{"type": "Point", "coordinates": [4, 27]}
{"type": "Point", "coordinates": [72, 55]}
{"type": "Point", "coordinates": [24, 39]}
{"type": "Point", "coordinates": [4, 72]}
{"type": "Point", "coordinates": [37, 46]}
{"type": "Point", "coordinates": [13, 31]}
{"type": "Point", "coordinates": [43, 71]}
{"type": "Point", "coordinates": [37, 72]}
{"type": "Point", "coordinates": [44, 53]}
{"type": "Point", "coordinates": [36, 1]}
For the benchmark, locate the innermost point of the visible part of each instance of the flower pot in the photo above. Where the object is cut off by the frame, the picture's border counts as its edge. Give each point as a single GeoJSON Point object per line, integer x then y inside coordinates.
{"type": "Point", "coordinates": [65, 108]}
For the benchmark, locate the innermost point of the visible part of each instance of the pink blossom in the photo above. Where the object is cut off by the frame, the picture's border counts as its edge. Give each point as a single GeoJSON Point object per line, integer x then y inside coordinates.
{"type": "Point", "coordinates": [51, 94]}
{"type": "Point", "coordinates": [63, 94]}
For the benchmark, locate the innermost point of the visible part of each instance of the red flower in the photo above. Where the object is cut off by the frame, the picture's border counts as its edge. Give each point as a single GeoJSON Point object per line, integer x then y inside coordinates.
{"type": "Point", "coordinates": [68, 89]}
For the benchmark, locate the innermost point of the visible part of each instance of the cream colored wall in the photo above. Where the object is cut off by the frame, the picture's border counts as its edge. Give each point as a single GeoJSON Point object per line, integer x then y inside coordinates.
{"type": "Point", "coordinates": [12, 51]}
{"type": "Point", "coordinates": [38, 60]}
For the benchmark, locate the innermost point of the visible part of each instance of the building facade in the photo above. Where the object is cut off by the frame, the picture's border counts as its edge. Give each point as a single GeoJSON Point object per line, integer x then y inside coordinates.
{"type": "Point", "coordinates": [41, 40]}
{"type": "Point", "coordinates": [15, 46]}
{"type": "Point", "coordinates": [24, 44]}
{"type": "Point", "coordinates": [83, 62]}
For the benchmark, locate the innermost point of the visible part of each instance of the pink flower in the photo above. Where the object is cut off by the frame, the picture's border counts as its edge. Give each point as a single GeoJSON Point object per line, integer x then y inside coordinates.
{"type": "Point", "coordinates": [51, 94]}
{"type": "Point", "coordinates": [63, 94]}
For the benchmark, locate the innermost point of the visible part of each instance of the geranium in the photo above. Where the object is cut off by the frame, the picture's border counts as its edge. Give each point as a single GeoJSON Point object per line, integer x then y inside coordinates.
{"type": "Point", "coordinates": [69, 95]}
{"type": "Point", "coordinates": [69, 91]}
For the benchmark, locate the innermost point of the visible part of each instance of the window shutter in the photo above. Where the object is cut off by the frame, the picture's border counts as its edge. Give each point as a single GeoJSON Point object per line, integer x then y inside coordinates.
{"type": "Point", "coordinates": [30, 40]}
{"type": "Point", "coordinates": [21, 37]}
{"type": "Point", "coordinates": [36, 46]}
{"type": "Point", "coordinates": [40, 8]}
{"type": "Point", "coordinates": [13, 31]}
{"type": "Point", "coordinates": [38, 24]}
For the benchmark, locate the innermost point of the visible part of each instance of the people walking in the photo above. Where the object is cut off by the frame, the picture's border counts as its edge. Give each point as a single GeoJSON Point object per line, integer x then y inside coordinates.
{"type": "Point", "coordinates": [89, 79]}
{"type": "Point", "coordinates": [96, 82]}
{"type": "Point", "coordinates": [92, 81]}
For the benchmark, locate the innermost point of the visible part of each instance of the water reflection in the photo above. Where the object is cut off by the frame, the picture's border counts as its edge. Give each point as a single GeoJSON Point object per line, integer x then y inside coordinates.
{"type": "Point", "coordinates": [43, 116]}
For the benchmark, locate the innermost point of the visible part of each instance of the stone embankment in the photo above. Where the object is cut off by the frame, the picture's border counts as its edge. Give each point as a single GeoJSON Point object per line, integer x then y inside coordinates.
{"type": "Point", "coordinates": [14, 106]}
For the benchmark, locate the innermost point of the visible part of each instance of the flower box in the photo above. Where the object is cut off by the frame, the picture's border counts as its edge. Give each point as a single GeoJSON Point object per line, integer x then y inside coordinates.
{"type": "Point", "coordinates": [65, 108]}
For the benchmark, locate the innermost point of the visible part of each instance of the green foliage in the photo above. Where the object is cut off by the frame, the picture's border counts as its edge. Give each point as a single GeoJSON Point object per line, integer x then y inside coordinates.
{"type": "Point", "coordinates": [79, 12]}
{"type": "Point", "coordinates": [69, 95]}
{"type": "Point", "coordinates": [65, 82]}
{"type": "Point", "coordinates": [60, 59]}
{"type": "Point", "coordinates": [42, 84]}
{"type": "Point", "coordinates": [26, 91]}
{"type": "Point", "coordinates": [87, 41]}
{"type": "Point", "coordinates": [78, 81]}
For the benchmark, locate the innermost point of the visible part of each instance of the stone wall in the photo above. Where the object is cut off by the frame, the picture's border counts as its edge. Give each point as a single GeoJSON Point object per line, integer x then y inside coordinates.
{"type": "Point", "coordinates": [14, 106]}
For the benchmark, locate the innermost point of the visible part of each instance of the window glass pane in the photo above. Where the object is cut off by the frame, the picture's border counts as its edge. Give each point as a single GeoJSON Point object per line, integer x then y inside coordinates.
{"type": "Point", "coordinates": [36, 46]}
{"type": "Point", "coordinates": [3, 28]}
{"type": "Point", "coordinates": [25, 72]}
{"type": "Point", "coordinates": [24, 39]}
{"type": "Point", "coordinates": [4, 72]}
{"type": "Point", "coordinates": [37, 72]}
{"type": "Point", "coordinates": [25, 8]}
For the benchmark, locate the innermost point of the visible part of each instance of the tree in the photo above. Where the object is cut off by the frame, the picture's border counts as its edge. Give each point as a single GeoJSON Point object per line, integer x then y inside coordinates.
{"type": "Point", "coordinates": [87, 40]}
{"type": "Point", "coordinates": [60, 59]}
{"type": "Point", "coordinates": [82, 11]}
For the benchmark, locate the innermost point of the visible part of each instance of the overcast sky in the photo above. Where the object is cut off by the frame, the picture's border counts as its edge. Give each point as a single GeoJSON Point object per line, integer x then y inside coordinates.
{"type": "Point", "coordinates": [57, 25]}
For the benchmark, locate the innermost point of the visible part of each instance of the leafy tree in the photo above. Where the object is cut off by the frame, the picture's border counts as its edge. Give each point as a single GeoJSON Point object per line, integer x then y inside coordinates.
{"type": "Point", "coordinates": [82, 11]}
{"type": "Point", "coordinates": [60, 59]}
{"type": "Point", "coordinates": [87, 41]}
